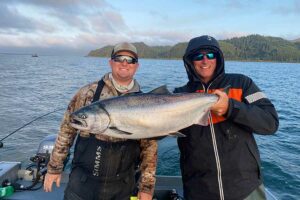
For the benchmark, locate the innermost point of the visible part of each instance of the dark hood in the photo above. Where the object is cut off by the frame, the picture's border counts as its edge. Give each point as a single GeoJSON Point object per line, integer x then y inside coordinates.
{"type": "Point", "coordinates": [194, 45]}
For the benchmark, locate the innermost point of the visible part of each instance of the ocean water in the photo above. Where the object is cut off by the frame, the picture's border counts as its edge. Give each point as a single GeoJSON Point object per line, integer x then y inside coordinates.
{"type": "Point", "coordinates": [31, 87]}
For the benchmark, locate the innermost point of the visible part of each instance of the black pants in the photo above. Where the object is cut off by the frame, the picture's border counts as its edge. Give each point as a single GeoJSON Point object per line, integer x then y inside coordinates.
{"type": "Point", "coordinates": [82, 187]}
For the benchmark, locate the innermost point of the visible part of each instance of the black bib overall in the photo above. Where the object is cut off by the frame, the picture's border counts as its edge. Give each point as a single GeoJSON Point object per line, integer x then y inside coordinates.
{"type": "Point", "coordinates": [103, 170]}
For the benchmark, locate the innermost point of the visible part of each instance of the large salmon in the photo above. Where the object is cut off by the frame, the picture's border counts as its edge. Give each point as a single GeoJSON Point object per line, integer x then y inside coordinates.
{"type": "Point", "coordinates": [144, 115]}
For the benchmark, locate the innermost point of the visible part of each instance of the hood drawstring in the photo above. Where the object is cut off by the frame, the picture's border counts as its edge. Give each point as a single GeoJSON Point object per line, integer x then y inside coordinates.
{"type": "Point", "coordinates": [219, 170]}
{"type": "Point", "coordinates": [215, 146]}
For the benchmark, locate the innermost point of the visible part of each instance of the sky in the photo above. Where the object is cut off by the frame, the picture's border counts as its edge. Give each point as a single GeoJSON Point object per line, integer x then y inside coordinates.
{"type": "Point", "coordinates": [74, 27]}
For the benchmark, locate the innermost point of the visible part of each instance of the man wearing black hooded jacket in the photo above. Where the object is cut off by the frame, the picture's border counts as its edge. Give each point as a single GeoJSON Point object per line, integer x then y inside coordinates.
{"type": "Point", "coordinates": [221, 160]}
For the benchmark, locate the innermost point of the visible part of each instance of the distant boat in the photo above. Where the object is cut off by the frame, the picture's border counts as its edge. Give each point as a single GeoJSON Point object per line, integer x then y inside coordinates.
{"type": "Point", "coordinates": [35, 55]}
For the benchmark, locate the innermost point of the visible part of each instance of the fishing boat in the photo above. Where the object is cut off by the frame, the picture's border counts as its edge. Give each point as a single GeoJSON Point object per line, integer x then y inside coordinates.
{"type": "Point", "coordinates": [34, 55]}
{"type": "Point", "coordinates": [26, 183]}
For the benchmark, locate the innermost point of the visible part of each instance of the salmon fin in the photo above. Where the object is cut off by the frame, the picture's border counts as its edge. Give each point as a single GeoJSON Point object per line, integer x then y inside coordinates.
{"type": "Point", "coordinates": [177, 134]}
{"type": "Point", "coordinates": [117, 131]}
{"type": "Point", "coordinates": [160, 90]}
{"type": "Point", "coordinates": [203, 120]}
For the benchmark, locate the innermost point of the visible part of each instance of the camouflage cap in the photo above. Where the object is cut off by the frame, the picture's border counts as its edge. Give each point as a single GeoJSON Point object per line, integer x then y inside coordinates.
{"type": "Point", "coordinates": [125, 46]}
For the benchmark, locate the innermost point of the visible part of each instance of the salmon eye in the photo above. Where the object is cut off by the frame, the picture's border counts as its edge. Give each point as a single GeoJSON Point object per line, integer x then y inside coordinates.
{"type": "Point", "coordinates": [82, 116]}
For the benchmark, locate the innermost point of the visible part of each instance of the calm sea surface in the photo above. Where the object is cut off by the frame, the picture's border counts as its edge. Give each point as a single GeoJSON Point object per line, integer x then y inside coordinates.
{"type": "Point", "coordinates": [31, 87]}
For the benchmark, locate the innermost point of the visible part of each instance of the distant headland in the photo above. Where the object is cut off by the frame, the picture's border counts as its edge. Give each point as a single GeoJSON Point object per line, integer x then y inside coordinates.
{"type": "Point", "coordinates": [248, 48]}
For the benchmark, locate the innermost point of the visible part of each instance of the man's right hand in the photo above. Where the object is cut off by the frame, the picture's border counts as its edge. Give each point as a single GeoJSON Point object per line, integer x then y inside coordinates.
{"type": "Point", "coordinates": [221, 106]}
{"type": "Point", "coordinates": [49, 179]}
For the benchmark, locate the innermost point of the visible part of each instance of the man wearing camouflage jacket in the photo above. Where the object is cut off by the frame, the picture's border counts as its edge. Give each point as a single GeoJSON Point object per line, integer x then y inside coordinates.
{"type": "Point", "coordinates": [104, 167]}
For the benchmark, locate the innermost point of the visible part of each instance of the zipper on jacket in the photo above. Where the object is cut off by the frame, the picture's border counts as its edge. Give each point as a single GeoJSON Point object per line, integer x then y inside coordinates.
{"type": "Point", "coordinates": [215, 146]}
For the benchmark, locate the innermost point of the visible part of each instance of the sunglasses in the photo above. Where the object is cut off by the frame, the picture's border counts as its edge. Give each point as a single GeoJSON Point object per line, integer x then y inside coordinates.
{"type": "Point", "coordinates": [121, 58]}
{"type": "Point", "coordinates": [200, 56]}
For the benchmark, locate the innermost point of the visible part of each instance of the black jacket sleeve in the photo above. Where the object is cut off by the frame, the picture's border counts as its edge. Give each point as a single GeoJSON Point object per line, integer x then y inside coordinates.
{"type": "Point", "coordinates": [255, 112]}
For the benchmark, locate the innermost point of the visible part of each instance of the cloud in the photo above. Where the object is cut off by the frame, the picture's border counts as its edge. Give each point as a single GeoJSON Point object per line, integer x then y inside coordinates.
{"type": "Point", "coordinates": [229, 4]}
{"type": "Point", "coordinates": [71, 13]}
{"type": "Point", "coordinates": [63, 5]}
{"type": "Point", "coordinates": [80, 26]}
{"type": "Point", "coordinates": [229, 35]}
{"type": "Point", "coordinates": [107, 22]}
{"type": "Point", "coordinates": [287, 9]}
{"type": "Point", "coordinates": [49, 22]}
{"type": "Point", "coordinates": [14, 22]}
{"type": "Point", "coordinates": [18, 22]}
{"type": "Point", "coordinates": [157, 37]}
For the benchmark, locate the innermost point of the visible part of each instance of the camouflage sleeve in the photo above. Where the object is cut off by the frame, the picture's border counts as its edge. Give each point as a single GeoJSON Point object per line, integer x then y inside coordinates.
{"type": "Point", "coordinates": [64, 139]}
{"type": "Point", "coordinates": [148, 165]}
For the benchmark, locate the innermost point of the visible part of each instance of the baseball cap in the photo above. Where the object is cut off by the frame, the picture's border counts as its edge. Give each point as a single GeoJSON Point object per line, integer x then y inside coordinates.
{"type": "Point", "coordinates": [124, 46]}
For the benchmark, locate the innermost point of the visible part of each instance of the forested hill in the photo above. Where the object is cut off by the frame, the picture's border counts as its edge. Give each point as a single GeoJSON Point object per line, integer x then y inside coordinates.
{"type": "Point", "coordinates": [249, 48]}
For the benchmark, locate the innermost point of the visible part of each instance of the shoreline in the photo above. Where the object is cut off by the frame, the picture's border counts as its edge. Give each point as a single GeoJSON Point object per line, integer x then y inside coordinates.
{"type": "Point", "coordinates": [263, 61]}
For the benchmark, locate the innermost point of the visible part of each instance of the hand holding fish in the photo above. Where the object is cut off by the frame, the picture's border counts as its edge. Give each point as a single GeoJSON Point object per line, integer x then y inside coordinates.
{"type": "Point", "coordinates": [221, 106]}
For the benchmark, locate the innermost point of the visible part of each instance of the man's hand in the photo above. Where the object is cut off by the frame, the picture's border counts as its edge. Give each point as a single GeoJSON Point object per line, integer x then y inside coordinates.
{"type": "Point", "coordinates": [49, 179]}
{"type": "Point", "coordinates": [144, 196]}
{"type": "Point", "coordinates": [221, 106]}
